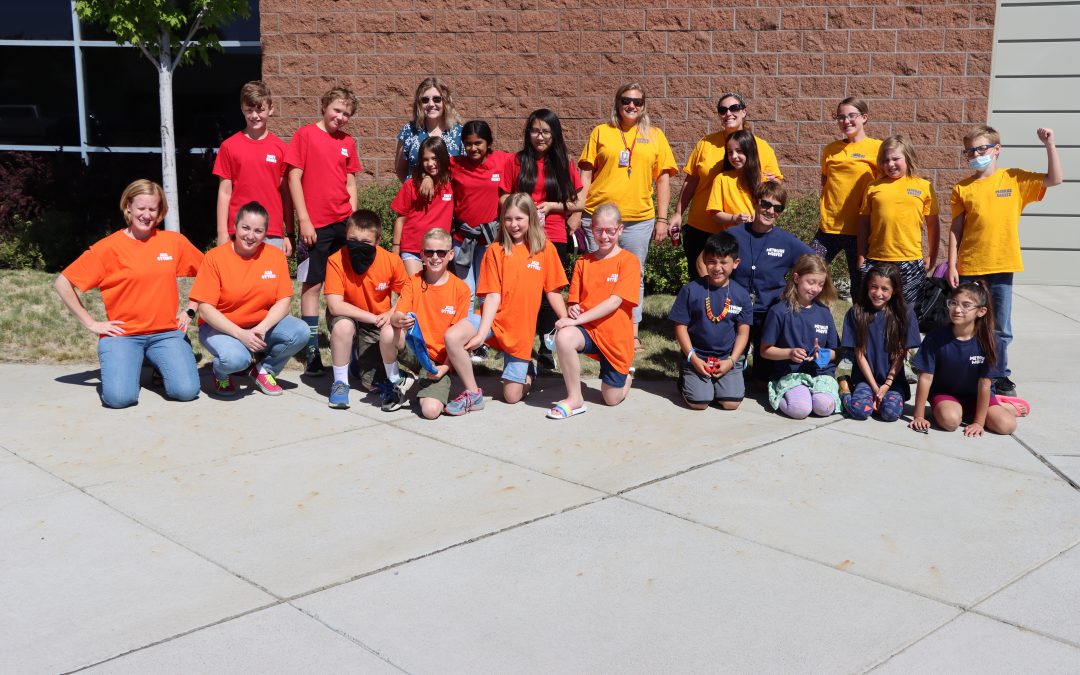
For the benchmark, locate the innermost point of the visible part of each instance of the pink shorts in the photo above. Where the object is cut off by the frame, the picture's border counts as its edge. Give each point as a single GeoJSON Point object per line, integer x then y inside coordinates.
{"type": "Point", "coordinates": [967, 406]}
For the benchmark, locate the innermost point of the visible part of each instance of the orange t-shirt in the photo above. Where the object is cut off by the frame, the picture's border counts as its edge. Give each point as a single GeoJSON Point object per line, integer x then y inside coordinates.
{"type": "Point", "coordinates": [436, 308]}
{"type": "Point", "coordinates": [243, 289]}
{"type": "Point", "coordinates": [520, 279]}
{"type": "Point", "coordinates": [369, 291]}
{"type": "Point", "coordinates": [137, 278]}
{"type": "Point", "coordinates": [597, 280]}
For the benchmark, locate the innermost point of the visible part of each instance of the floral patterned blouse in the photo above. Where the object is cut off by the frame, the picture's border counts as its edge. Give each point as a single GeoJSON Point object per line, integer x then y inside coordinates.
{"type": "Point", "coordinates": [412, 138]}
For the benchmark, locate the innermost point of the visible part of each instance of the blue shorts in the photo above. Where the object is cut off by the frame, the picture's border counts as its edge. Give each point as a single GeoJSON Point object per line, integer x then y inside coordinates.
{"type": "Point", "coordinates": [608, 374]}
{"type": "Point", "coordinates": [514, 369]}
{"type": "Point", "coordinates": [409, 255]}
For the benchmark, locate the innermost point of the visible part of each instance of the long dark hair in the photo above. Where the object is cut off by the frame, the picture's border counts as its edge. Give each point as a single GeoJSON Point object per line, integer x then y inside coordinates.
{"type": "Point", "coordinates": [750, 176]}
{"type": "Point", "coordinates": [984, 325]}
{"type": "Point", "coordinates": [434, 144]}
{"type": "Point", "coordinates": [557, 184]}
{"type": "Point", "coordinates": [896, 313]}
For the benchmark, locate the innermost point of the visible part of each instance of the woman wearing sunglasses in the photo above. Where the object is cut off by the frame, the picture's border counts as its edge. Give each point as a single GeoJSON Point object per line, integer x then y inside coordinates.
{"type": "Point", "coordinates": [433, 115]}
{"type": "Point", "coordinates": [622, 161]}
{"type": "Point", "coordinates": [705, 163]}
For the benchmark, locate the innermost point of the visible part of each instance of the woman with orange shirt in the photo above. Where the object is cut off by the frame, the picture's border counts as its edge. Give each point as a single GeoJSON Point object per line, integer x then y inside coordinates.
{"type": "Point", "coordinates": [244, 293]}
{"type": "Point", "coordinates": [136, 269]}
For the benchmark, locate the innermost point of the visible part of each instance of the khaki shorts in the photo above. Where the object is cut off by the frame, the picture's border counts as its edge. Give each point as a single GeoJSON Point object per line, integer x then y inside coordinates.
{"type": "Point", "coordinates": [437, 389]}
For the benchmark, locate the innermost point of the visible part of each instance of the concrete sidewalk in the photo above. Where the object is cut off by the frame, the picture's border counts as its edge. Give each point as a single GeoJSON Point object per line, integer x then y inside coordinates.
{"type": "Point", "coordinates": [278, 535]}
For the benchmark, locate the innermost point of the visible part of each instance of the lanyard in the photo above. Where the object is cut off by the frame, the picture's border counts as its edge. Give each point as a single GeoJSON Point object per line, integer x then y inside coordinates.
{"type": "Point", "coordinates": [630, 149]}
{"type": "Point", "coordinates": [754, 258]}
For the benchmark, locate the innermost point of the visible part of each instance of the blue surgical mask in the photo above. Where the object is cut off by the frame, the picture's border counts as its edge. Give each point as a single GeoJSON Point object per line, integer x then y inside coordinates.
{"type": "Point", "coordinates": [981, 162]}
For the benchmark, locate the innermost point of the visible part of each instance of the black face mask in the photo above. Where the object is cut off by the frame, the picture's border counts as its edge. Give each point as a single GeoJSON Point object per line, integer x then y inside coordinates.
{"type": "Point", "coordinates": [361, 255]}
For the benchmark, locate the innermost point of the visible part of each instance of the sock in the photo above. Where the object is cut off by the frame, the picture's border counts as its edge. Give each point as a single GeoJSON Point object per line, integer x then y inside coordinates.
{"type": "Point", "coordinates": [313, 327]}
{"type": "Point", "coordinates": [823, 405]}
{"type": "Point", "coordinates": [392, 372]}
{"type": "Point", "coordinates": [341, 373]}
{"type": "Point", "coordinates": [797, 402]}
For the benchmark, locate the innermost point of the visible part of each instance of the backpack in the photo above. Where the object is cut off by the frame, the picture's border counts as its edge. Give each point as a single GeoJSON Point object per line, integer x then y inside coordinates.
{"type": "Point", "coordinates": [931, 310]}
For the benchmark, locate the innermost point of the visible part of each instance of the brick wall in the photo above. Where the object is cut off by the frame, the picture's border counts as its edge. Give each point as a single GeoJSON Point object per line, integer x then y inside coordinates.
{"type": "Point", "coordinates": [923, 65]}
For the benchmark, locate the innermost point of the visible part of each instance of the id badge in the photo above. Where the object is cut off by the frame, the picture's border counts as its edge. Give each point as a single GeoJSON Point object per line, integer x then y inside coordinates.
{"type": "Point", "coordinates": [624, 158]}
{"type": "Point", "coordinates": [753, 297]}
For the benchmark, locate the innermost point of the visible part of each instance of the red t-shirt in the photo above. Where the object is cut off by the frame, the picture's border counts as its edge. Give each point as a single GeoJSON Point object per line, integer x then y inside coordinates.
{"type": "Point", "coordinates": [369, 291]}
{"type": "Point", "coordinates": [137, 278]}
{"type": "Point", "coordinates": [326, 160]}
{"type": "Point", "coordinates": [554, 223]}
{"type": "Point", "coordinates": [476, 187]}
{"type": "Point", "coordinates": [255, 169]}
{"type": "Point", "coordinates": [243, 289]}
{"type": "Point", "coordinates": [421, 217]}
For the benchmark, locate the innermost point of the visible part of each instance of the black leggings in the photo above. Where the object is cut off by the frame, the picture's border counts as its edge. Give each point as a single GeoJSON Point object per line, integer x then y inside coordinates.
{"type": "Point", "coordinates": [545, 318]}
{"type": "Point", "coordinates": [693, 243]}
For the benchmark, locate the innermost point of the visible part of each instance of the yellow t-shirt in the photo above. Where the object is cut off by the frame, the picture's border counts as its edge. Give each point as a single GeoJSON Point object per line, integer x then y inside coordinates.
{"type": "Point", "coordinates": [991, 208]}
{"type": "Point", "coordinates": [706, 162]}
{"type": "Point", "coordinates": [728, 195]}
{"type": "Point", "coordinates": [898, 210]}
{"type": "Point", "coordinates": [848, 168]}
{"type": "Point", "coordinates": [631, 191]}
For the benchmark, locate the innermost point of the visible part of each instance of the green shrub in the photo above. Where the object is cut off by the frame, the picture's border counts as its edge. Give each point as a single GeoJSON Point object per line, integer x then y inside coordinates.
{"type": "Point", "coordinates": [665, 269]}
{"type": "Point", "coordinates": [18, 250]}
{"type": "Point", "coordinates": [802, 217]}
{"type": "Point", "coordinates": [377, 198]}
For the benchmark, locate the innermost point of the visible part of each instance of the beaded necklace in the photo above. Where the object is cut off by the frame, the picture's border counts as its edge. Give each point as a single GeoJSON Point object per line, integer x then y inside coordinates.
{"type": "Point", "coordinates": [708, 307]}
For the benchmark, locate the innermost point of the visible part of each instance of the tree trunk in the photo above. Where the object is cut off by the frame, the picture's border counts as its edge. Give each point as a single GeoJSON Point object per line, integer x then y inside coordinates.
{"type": "Point", "coordinates": [168, 146]}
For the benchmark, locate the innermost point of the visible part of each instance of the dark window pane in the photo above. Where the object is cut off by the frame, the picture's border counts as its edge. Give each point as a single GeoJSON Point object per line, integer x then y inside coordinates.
{"type": "Point", "coordinates": [38, 105]}
{"type": "Point", "coordinates": [36, 20]}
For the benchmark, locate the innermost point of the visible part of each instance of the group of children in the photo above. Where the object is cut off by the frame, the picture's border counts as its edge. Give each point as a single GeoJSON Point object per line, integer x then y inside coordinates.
{"type": "Point", "coordinates": [760, 288]}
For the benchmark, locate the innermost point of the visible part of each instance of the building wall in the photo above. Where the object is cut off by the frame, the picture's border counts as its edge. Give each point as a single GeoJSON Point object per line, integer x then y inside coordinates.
{"type": "Point", "coordinates": [923, 65]}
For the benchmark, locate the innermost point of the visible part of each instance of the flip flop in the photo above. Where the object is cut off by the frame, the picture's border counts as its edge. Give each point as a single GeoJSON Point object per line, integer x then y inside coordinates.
{"type": "Point", "coordinates": [561, 411]}
{"type": "Point", "coordinates": [1023, 408]}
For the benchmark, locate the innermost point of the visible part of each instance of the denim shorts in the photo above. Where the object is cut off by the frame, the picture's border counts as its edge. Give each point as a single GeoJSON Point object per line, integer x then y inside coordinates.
{"type": "Point", "coordinates": [608, 374]}
{"type": "Point", "coordinates": [514, 369]}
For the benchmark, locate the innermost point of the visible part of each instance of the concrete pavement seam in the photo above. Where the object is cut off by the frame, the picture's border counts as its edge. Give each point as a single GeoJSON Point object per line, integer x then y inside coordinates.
{"type": "Point", "coordinates": [350, 638]}
{"type": "Point", "coordinates": [1047, 462]}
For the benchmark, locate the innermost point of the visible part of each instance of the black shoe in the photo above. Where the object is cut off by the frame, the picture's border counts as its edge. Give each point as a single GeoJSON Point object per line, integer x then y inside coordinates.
{"type": "Point", "coordinates": [545, 363]}
{"type": "Point", "coordinates": [313, 362]}
{"type": "Point", "coordinates": [1005, 387]}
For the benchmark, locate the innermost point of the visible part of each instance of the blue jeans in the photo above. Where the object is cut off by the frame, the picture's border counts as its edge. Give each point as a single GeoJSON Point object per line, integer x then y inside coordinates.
{"type": "Point", "coordinates": [470, 275]}
{"type": "Point", "coordinates": [289, 336]}
{"type": "Point", "coordinates": [636, 237]}
{"type": "Point", "coordinates": [1001, 292]}
{"type": "Point", "coordinates": [121, 359]}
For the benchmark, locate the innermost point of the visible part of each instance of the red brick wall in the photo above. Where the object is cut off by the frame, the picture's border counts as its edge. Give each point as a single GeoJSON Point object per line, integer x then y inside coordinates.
{"type": "Point", "coordinates": [923, 65]}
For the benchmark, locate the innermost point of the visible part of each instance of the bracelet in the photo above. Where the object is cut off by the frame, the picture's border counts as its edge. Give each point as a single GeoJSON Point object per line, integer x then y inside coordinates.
{"type": "Point", "coordinates": [690, 355]}
{"type": "Point", "coordinates": [661, 220]}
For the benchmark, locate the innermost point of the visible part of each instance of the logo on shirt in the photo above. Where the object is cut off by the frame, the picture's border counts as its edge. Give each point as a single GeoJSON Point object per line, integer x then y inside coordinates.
{"type": "Point", "coordinates": [382, 286]}
{"type": "Point", "coordinates": [449, 309]}
{"type": "Point", "coordinates": [447, 196]}
{"type": "Point", "coordinates": [344, 152]}
{"type": "Point", "coordinates": [163, 257]}
{"type": "Point", "coordinates": [914, 193]}
{"type": "Point", "coordinates": [1006, 192]}
{"type": "Point", "coordinates": [614, 278]}
{"type": "Point", "coordinates": [494, 178]}
{"type": "Point", "coordinates": [534, 265]}
{"type": "Point", "coordinates": [642, 140]}
{"type": "Point", "coordinates": [734, 309]}
{"type": "Point", "coordinates": [269, 274]}
{"type": "Point", "coordinates": [820, 329]}
{"type": "Point", "coordinates": [858, 155]}
{"type": "Point", "coordinates": [977, 359]}
{"type": "Point", "coordinates": [271, 159]}
{"type": "Point", "coordinates": [775, 252]}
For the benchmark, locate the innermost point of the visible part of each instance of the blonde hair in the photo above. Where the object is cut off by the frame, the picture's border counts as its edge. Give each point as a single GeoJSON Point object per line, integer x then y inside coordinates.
{"type": "Point", "coordinates": [450, 113]}
{"type": "Point", "coordinates": [643, 119]}
{"type": "Point", "coordinates": [439, 234]}
{"type": "Point", "coordinates": [339, 93]}
{"type": "Point", "coordinates": [535, 237]}
{"type": "Point", "coordinates": [988, 132]}
{"type": "Point", "coordinates": [607, 210]}
{"type": "Point", "coordinates": [144, 186]}
{"type": "Point", "coordinates": [809, 263]}
{"type": "Point", "coordinates": [255, 93]}
{"type": "Point", "coordinates": [906, 148]}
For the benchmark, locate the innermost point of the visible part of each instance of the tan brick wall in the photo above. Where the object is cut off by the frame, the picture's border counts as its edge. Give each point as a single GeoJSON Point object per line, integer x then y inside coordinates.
{"type": "Point", "coordinates": [923, 65]}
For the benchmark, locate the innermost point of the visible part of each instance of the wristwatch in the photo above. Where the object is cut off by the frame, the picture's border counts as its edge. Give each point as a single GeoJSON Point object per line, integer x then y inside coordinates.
{"type": "Point", "coordinates": [191, 313]}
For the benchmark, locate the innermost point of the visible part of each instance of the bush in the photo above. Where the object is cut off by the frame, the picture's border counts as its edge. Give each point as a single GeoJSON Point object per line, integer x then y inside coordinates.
{"type": "Point", "coordinates": [377, 198]}
{"type": "Point", "coordinates": [17, 248]}
{"type": "Point", "coordinates": [802, 218]}
{"type": "Point", "coordinates": [665, 269]}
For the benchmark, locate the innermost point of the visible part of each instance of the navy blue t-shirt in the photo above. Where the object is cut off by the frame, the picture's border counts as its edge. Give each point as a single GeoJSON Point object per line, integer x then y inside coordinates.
{"type": "Point", "coordinates": [790, 329]}
{"type": "Point", "coordinates": [764, 261]}
{"type": "Point", "coordinates": [957, 365]}
{"type": "Point", "coordinates": [876, 353]}
{"type": "Point", "coordinates": [708, 338]}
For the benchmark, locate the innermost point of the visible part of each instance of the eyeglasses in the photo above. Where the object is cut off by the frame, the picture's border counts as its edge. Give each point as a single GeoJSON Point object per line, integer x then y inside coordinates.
{"type": "Point", "coordinates": [850, 117]}
{"type": "Point", "coordinates": [431, 99]}
{"type": "Point", "coordinates": [724, 109]}
{"type": "Point", "coordinates": [636, 102]}
{"type": "Point", "coordinates": [436, 252]}
{"type": "Point", "coordinates": [979, 150]}
{"type": "Point", "coordinates": [606, 231]}
{"type": "Point", "coordinates": [540, 133]}
{"type": "Point", "coordinates": [964, 306]}
{"type": "Point", "coordinates": [765, 205]}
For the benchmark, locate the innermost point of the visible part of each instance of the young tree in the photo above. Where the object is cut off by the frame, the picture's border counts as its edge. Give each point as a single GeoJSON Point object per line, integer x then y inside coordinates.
{"type": "Point", "coordinates": [168, 33]}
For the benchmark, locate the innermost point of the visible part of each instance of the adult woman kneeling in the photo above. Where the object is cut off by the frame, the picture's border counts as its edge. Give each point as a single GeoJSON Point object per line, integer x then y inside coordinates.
{"type": "Point", "coordinates": [136, 269]}
{"type": "Point", "coordinates": [244, 292]}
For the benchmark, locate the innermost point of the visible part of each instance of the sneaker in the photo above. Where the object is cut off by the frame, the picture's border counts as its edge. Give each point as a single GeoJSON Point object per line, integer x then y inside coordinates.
{"type": "Point", "coordinates": [339, 395]}
{"type": "Point", "coordinates": [1005, 387]}
{"type": "Point", "coordinates": [313, 362]}
{"type": "Point", "coordinates": [396, 394]}
{"type": "Point", "coordinates": [480, 354]}
{"type": "Point", "coordinates": [467, 401]}
{"type": "Point", "coordinates": [265, 382]}
{"type": "Point", "coordinates": [225, 387]}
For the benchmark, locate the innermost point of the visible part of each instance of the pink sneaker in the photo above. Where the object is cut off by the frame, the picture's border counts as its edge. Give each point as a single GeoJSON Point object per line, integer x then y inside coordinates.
{"type": "Point", "coordinates": [265, 382]}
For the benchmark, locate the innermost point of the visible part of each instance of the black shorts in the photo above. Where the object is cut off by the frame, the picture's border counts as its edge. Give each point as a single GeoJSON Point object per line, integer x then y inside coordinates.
{"type": "Point", "coordinates": [328, 240]}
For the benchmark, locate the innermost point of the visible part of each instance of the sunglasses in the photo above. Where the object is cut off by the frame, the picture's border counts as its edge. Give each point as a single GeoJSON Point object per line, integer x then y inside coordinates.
{"type": "Point", "coordinates": [636, 102]}
{"type": "Point", "coordinates": [979, 149]}
{"type": "Point", "coordinates": [724, 109]}
{"type": "Point", "coordinates": [431, 99]}
{"type": "Point", "coordinates": [766, 205]}
{"type": "Point", "coordinates": [436, 252]}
